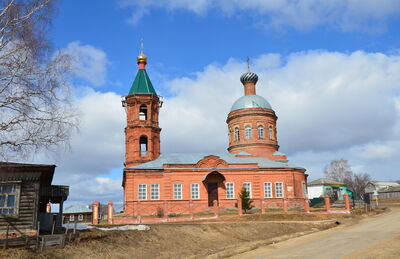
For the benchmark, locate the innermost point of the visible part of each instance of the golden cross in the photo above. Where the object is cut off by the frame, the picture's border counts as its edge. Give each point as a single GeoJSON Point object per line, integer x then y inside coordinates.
{"type": "Point", "coordinates": [141, 46]}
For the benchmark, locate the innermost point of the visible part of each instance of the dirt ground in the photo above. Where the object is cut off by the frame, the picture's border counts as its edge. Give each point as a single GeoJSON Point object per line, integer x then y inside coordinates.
{"type": "Point", "coordinates": [212, 239]}
{"type": "Point", "coordinates": [373, 237]}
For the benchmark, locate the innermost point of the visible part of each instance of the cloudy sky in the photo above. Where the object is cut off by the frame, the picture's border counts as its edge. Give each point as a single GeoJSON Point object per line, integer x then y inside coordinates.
{"type": "Point", "coordinates": [330, 69]}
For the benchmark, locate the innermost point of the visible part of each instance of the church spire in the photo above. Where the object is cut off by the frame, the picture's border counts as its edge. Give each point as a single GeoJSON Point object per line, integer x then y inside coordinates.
{"type": "Point", "coordinates": [142, 83]}
{"type": "Point", "coordinates": [142, 59]}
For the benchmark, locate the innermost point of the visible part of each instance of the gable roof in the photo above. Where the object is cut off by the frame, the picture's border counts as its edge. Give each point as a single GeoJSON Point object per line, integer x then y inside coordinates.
{"type": "Point", "coordinates": [325, 181]}
{"type": "Point", "coordinates": [77, 208]}
{"type": "Point", "coordinates": [142, 84]}
{"type": "Point", "coordinates": [193, 158]}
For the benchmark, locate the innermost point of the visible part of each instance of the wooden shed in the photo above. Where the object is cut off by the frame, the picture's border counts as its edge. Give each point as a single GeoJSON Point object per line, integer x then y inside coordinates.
{"type": "Point", "coordinates": [25, 190]}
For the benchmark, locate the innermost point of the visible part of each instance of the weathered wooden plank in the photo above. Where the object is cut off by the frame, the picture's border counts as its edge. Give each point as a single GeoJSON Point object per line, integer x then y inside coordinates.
{"type": "Point", "coordinates": [25, 219]}
{"type": "Point", "coordinates": [51, 240]}
{"type": "Point", "coordinates": [19, 225]}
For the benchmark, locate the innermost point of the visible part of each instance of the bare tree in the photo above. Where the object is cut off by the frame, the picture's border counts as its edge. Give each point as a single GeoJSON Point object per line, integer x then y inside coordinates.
{"type": "Point", "coordinates": [360, 181]}
{"type": "Point", "coordinates": [340, 170]}
{"type": "Point", "coordinates": [35, 100]}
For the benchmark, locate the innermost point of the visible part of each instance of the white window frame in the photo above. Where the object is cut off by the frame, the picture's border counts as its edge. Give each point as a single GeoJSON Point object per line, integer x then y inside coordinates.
{"type": "Point", "coordinates": [237, 133]}
{"type": "Point", "coordinates": [260, 131]}
{"type": "Point", "coordinates": [248, 190]}
{"type": "Point", "coordinates": [142, 195]}
{"type": "Point", "coordinates": [276, 190]}
{"type": "Point", "coordinates": [195, 191]}
{"type": "Point", "coordinates": [270, 133]}
{"type": "Point", "coordinates": [178, 191]}
{"type": "Point", "coordinates": [230, 191]}
{"type": "Point", "coordinates": [268, 190]}
{"type": "Point", "coordinates": [15, 191]}
{"type": "Point", "coordinates": [247, 132]}
{"type": "Point", "coordinates": [154, 191]}
{"type": "Point", "coordinates": [80, 217]}
{"type": "Point", "coordinates": [71, 217]}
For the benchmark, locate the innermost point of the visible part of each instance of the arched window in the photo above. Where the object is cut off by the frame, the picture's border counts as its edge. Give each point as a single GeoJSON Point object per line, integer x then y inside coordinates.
{"type": "Point", "coordinates": [247, 132]}
{"type": "Point", "coordinates": [260, 132]}
{"type": "Point", "coordinates": [237, 135]}
{"type": "Point", "coordinates": [143, 112]}
{"type": "Point", "coordinates": [143, 146]}
{"type": "Point", "coordinates": [270, 132]}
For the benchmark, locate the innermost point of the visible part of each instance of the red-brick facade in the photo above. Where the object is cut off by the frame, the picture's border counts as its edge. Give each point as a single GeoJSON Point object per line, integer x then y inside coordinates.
{"type": "Point", "coordinates": [178, 183]}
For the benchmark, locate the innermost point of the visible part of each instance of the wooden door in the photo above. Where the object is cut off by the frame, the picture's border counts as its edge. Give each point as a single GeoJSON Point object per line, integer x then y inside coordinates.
{"type": "Point", "coordinates": [212, 193]}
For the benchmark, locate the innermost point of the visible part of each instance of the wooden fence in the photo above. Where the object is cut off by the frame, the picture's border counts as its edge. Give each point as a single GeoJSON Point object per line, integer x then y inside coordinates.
{"type": "Point", "coordinates": [41, 242]}
{"type": "Point", "coordinates": [385, 195]}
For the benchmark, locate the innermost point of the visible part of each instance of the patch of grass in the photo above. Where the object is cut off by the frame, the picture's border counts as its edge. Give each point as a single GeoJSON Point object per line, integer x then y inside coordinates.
{"type": "Point", "coordinates": [176, 215]}
{"type": "Point", "coordinates": [229, 212]}
{"type": "Point", "coordinates": [203, 214]}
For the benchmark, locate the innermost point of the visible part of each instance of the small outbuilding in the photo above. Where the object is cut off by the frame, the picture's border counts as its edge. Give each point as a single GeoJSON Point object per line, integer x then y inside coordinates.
{"type": "Point", "coordinates": [326, 186]}
{"type": "Point", "coordinates": [378, 186]}
{"type": "Point", "coordinates": [25, 191]}
{"type": "Point", "coordinates": [383, 190]}
{"type": "Point", "coordinates": [78, 213]}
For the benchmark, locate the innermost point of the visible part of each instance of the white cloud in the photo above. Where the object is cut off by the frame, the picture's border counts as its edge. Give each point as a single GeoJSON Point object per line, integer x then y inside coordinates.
{"type": "Point", "coordinates": [88, 62]}
{"type": "Point", "coordinates": [379, 150]}
{"type": "Point", "coordinates": [95, 151]}
{"type": "Point", "coordinates": [330, 105]}
{"type": "Point", "coordinates": [346, 15]}
{"type": "Point", "coordinates": [89, 189]}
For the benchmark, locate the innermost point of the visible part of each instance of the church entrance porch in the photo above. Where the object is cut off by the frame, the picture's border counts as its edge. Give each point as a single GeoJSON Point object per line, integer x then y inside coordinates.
{"type": "Point", "coordinates": [212, 181]}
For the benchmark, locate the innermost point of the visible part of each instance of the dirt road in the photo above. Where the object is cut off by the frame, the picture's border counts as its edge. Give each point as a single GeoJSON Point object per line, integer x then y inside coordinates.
{"type": "Point", "coordinates": [375, 237]}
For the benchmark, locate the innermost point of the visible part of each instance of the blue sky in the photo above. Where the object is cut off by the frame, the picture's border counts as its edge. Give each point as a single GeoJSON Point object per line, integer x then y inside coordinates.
{"type": "Point", "coordinates": [181, 42]}
{"type": "Point", "coordinates": [330, 70]}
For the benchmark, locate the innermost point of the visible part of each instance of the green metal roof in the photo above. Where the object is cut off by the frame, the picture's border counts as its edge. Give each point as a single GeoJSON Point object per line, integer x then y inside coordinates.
{"type": "Point", "coordinates": [142, 84]}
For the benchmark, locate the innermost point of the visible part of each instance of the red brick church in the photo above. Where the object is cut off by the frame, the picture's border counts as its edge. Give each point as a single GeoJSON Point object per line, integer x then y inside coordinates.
{"type": "Point", "coordinates": [153, 180]}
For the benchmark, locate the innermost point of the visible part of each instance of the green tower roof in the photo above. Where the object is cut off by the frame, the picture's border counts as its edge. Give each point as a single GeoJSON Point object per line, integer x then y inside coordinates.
{"type": "Point", "coordinates": [142, 84]}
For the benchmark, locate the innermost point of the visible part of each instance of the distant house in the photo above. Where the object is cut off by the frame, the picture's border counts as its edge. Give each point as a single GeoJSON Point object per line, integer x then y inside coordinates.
{"type": "Point", "coordinates": [325, 186]}
{"type": "Point", "coordinates": [25, 190]}
{"type": "Point", "coordinates": [385, 190]}
{"type": "Point", "coordinates": [378, 186]}
{"type": "Point", "coordinates": [78, 213]}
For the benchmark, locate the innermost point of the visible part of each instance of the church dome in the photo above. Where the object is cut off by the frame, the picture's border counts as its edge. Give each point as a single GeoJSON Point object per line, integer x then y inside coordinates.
{"type": "Point", "coordinates": [251, 101]}
{"type": "Point", "coordinates": [249, 77]}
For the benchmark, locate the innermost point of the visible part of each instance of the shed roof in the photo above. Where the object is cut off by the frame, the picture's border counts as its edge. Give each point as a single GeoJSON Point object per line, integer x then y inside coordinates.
{"type": "Point", "coordinates": [20, 171]}
{"type": "Point", "coordinates": [193, 158]}
{"type": "Point", "coordinates": [325, 181]}
{"type": "Point", "coordinates": [381, 183]}
{"type": "Point", "coordinates": [391, 189]}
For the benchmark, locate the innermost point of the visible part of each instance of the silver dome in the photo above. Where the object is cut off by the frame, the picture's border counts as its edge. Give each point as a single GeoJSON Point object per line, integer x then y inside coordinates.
{"type": "Point", "coordinates": [251, 101]}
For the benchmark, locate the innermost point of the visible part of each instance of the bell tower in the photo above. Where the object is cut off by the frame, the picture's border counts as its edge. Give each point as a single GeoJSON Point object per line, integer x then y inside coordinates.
{"type": "Point", "coordinates": [142, 133]}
